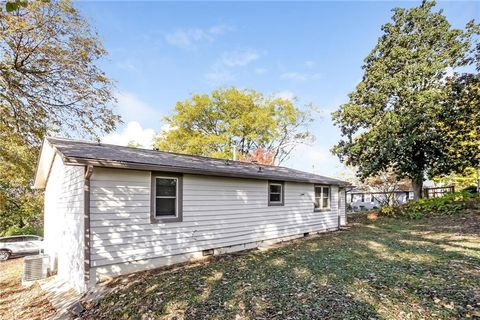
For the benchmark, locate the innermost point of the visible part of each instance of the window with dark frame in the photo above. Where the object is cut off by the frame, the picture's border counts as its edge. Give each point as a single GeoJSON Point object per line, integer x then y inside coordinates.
{"type": "Point", "coordinates": [322, 198]}
{"type": "Point", "coordinates": [166, 198]}
{"type": "Point", "coordinates": [275, 194]}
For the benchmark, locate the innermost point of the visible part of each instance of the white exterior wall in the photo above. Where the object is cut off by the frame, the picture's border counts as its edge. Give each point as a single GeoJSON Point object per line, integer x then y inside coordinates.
{"type": "Point", "coordinates": [343, 207]}
{"type": "Point", "coordinates": [63, 227]}
{"type": "Point", "coordinates": [227, 213]}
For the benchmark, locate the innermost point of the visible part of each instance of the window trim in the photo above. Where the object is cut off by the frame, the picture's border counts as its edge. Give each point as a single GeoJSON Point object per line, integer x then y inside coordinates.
{"type": "Point", "coordinates": [329, 208]}
{"type": "Point", "coordinates": [282, 194]}
{"type": "Point", "coordinates": [178, 204]}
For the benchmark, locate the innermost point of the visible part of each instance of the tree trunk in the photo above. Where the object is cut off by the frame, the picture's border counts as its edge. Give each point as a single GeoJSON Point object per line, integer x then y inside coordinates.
{"type": "Point", "coordinates": [417, 186]}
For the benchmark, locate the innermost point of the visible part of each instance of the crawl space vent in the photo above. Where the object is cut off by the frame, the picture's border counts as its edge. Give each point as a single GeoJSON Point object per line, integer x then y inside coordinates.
{"type": "Point", "coordinates": [208, 252]}
{"type": "Point", "coordinates": [35, 267]}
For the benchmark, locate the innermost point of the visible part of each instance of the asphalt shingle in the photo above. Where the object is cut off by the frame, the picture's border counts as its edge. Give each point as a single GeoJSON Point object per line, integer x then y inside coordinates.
{"type": "Point", "coordinates": [108, 155]}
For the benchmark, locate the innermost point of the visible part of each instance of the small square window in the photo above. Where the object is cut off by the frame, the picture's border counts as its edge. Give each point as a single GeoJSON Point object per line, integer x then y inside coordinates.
{"type": "Point", "coordinates": [275, 194]}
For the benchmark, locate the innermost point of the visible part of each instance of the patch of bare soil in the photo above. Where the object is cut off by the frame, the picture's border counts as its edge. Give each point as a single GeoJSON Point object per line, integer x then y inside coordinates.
{"type": "Point", "coordinates": [18, 302]}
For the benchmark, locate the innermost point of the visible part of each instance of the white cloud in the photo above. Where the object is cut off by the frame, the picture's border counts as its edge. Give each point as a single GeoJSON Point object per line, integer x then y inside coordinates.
{"type": "Point", "coordinates": [220, 29]}
{"type": "Point", "coordinates": [239, 58]}
{"type": "Point", "coordinates": [217, 76]}
{"type": "Point", "coordinates": [128, 66]}
{"type": "Point", "coordinates": [449, 72]}
{"type": "Point", "coordinates": [260, 70]}
{"type": "Point", "coordinates": [296, 76]}
{"type": "Point", "coordinates": [222, 70]}
{"type": "Point", "coordinates": [133, 132]}
{"type": "Point", "coordinates": [131, 108]}
{"type": "Point", "coordinates": [299, 76]}
{"type": "Point", "coordinates": [311, 158]}
{"type": "Point", "coordinates": [312, 153]}
{"type": "Point", "coordinates": [188, 38]}
{"type": "Point", "coordinates": [309, 63]}
{"type": "Point", "coordinates": [286, 95]}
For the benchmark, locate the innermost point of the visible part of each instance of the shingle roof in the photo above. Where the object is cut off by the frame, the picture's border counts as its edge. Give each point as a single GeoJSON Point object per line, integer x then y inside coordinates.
{"type": "Point", "coordinates": [107, 155]}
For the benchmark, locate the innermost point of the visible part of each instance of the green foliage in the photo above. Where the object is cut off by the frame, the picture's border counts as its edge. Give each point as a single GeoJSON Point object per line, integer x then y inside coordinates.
{"type": "Point", "coordinates": [48, 74]}
{"type": "Point", "coordinates": [134, 144]}
{"type": "Point", "coordinates": [407, 113]}
{"type": "Point", "coordinates": [26, 230]}
{"type": "Point", "coordinates": [461, 180]}
{"type": "Point", "coordinates": [470, 189]}
{"type": "Point", "coordinates": [15, 5]}
{"type": "Point", "coordinates": [448, 204]}
{"type": "Point", "coordinates": [49, 82]}
{"type": "Point", "coordinates": [20, 207]}
{"type": "Point", "coordinates": [212, 125]}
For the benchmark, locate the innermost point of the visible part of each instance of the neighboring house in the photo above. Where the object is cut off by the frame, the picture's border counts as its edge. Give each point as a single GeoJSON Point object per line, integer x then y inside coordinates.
{"type": "Point", "coordinates": [111, 210]}
{"type": "Point", "coordinates": [359, 200]}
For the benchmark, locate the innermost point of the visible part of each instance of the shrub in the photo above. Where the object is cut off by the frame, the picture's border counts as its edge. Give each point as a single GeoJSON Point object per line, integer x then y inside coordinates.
{"type": "Point", "coordinates": [470, 189]}
{"type": "Point", "coordinates": [449, 204]}
{"type": "Point", "coordinates": [26, 230]}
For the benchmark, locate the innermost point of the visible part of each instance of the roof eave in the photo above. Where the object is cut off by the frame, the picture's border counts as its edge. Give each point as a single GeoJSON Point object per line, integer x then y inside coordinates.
{"type": "Point", "coordinates": [44, 164]}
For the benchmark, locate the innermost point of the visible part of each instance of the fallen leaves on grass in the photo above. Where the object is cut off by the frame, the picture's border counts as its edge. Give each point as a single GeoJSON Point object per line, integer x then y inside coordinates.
{"type": "Point", "coordinates": [18, 302]}
{"type": "Point", "coordinates": [385, 269]}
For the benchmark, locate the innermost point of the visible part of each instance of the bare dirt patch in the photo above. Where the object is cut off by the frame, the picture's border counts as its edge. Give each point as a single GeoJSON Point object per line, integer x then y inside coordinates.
{"type": "Point", "coordinates": [18, 302]}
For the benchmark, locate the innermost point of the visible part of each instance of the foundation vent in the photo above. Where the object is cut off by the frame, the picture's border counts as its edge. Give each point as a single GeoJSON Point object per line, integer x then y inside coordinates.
{"type": "Point", "coordinates": [208, 252]}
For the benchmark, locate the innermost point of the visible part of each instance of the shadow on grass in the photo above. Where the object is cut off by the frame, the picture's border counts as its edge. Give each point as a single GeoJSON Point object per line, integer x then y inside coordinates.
{"type": "Point", "coordinates": [387, 269]}
{"type": "Point", "coordinates": [17, 301]}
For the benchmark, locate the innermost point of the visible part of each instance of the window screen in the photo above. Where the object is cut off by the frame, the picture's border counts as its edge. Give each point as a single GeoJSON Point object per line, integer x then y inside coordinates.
{"type": "Point", "coordinates": [165, 196]}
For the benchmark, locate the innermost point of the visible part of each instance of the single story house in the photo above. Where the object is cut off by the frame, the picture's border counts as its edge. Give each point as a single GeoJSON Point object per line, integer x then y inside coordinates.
{"type": "Point", "coordinates": [359, 200]}
{"type": "Point", "coordinates": [112, 210]}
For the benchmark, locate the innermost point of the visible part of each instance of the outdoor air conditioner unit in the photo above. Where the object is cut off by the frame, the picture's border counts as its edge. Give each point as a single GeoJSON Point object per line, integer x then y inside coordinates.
{"type": "Point", "coordinates": [35, 267]}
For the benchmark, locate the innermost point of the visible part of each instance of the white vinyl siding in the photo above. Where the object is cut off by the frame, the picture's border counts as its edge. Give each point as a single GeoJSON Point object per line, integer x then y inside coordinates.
{"type": "Point", "coordinates": [342, 207]}
{"type": "Point", "coordinates": [217, 212]}
{"type": "Point", "coordinates": [64, 222]}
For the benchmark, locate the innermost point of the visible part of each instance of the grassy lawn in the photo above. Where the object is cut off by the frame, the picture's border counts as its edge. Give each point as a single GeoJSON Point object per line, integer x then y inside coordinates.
{"type": "Point", "coordinates": [17, 302]}
{"type": "Point", "coordinates": [388, 269]}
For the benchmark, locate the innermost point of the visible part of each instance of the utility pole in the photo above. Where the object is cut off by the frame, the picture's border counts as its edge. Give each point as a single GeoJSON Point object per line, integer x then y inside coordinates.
{"type": "Point", "coordinates": [234, 152]}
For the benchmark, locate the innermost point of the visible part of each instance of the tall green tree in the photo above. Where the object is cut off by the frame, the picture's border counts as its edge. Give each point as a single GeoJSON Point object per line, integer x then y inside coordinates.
{"type": "Point", "coordinates": [408, 113]}
{"type": "Point", "coordinates": [215, 124]}
{"type": "Point", "coordinates": [467, 178]}
{"type": "Point", "coordinates": [50, 82]}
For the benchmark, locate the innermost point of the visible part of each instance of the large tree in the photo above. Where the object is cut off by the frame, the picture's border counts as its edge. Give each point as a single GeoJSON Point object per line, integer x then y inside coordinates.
{"type": "Point", "coordinates": [50, 82]}
{"type": "Point", "coordinates": [215, 124]}
{"type": "Point", "coordinates": [409, 112]}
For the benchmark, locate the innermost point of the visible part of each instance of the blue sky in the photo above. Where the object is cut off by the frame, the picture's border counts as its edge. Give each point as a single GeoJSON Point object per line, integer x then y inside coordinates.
{"type": "Point", "coordinates": [161, 52]}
